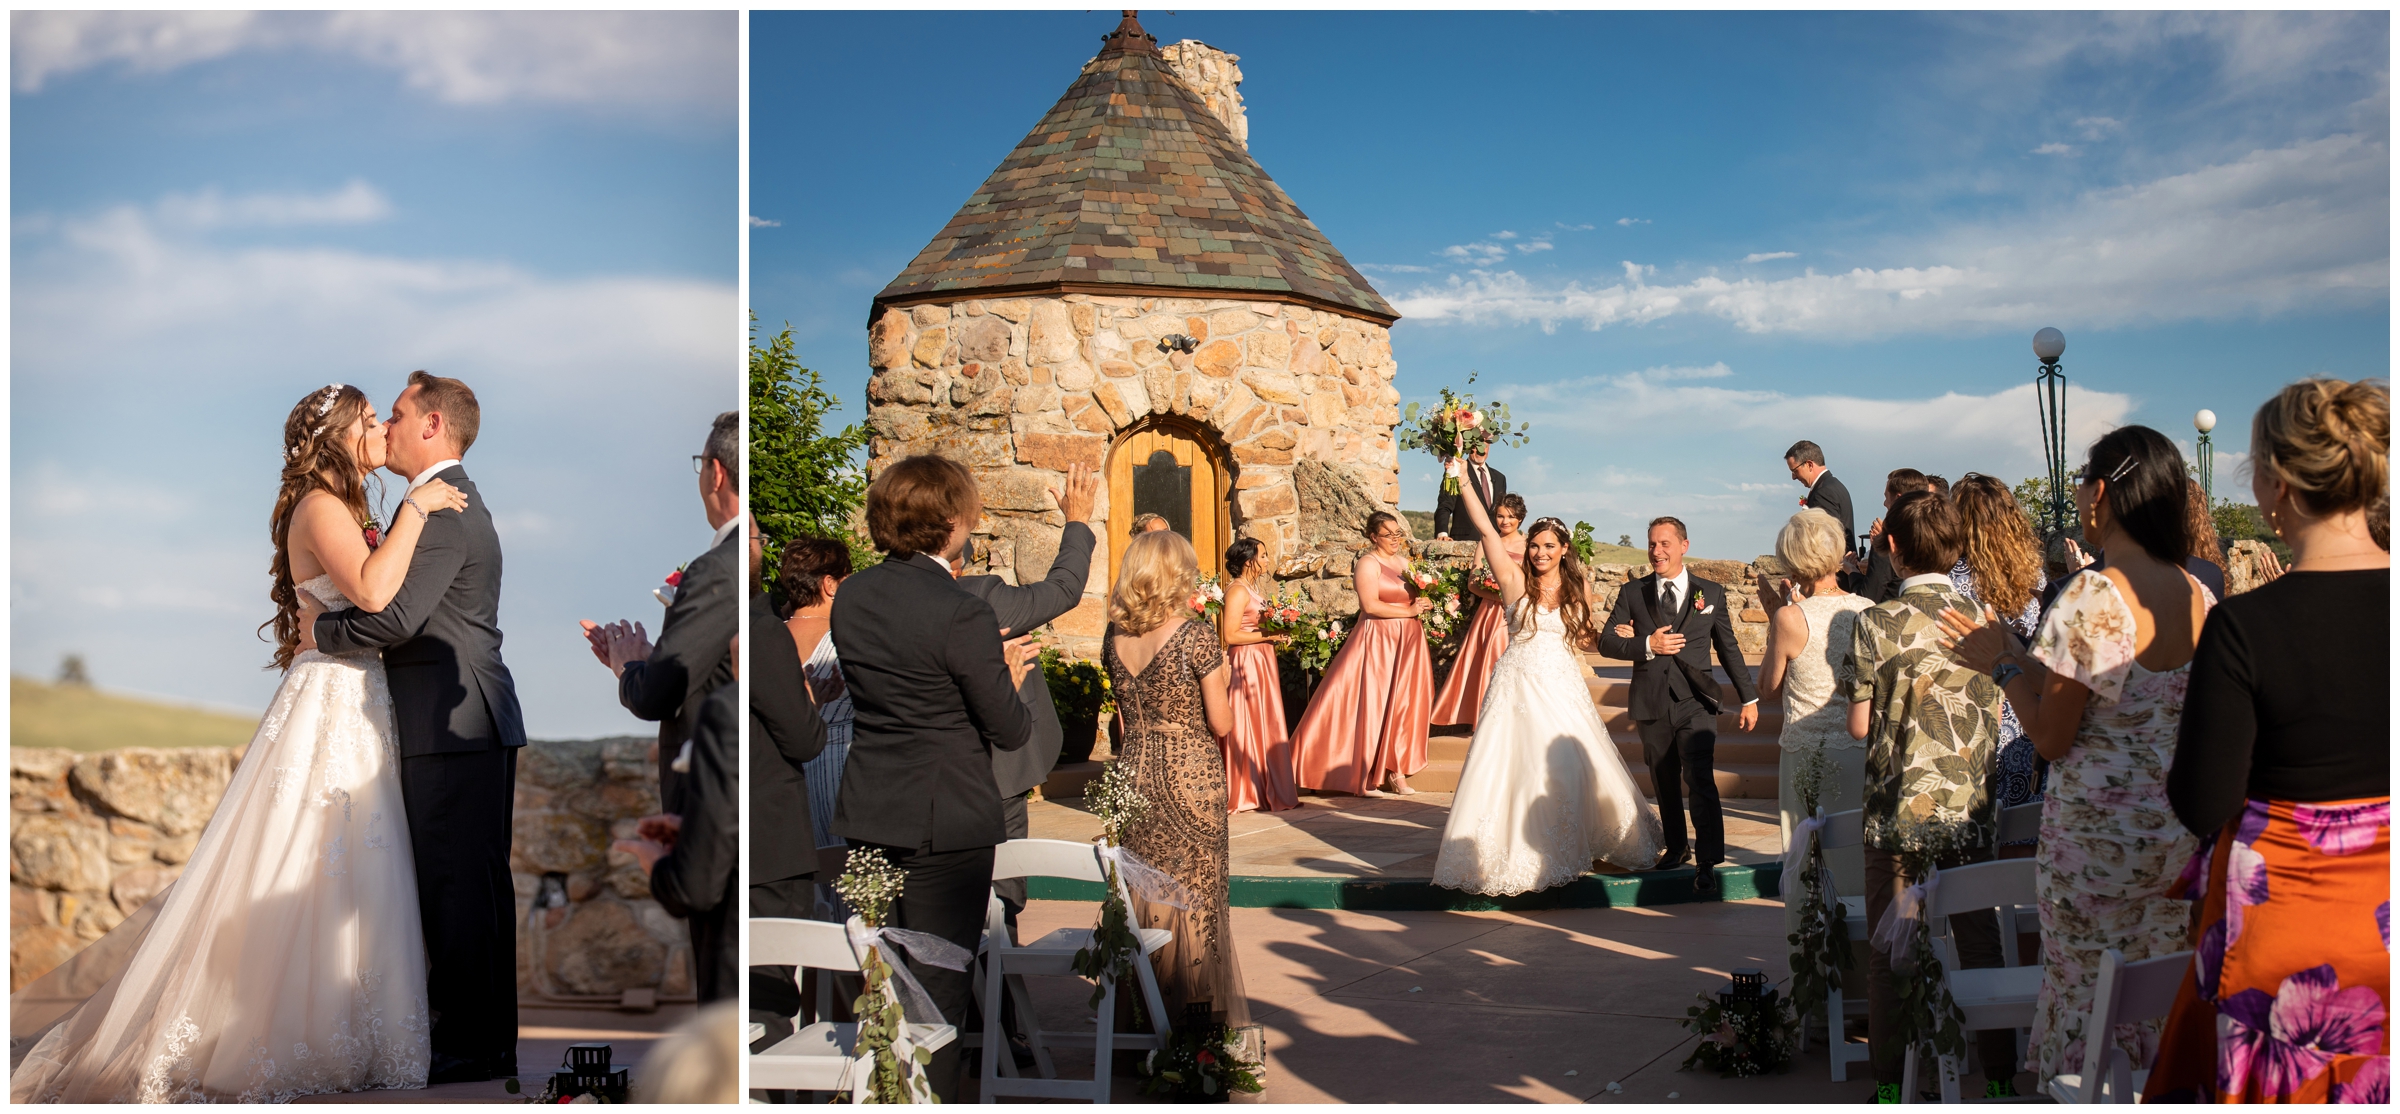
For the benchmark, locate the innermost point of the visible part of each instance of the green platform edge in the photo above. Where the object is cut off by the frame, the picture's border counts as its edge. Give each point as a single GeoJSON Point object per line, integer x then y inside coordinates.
{"type": "Point", "coordinates": [1592, 891]}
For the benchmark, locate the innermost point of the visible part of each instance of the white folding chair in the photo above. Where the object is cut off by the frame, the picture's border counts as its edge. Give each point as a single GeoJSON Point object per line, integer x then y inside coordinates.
{"type": "Point", "coordinates": [1841, 831]}
{"type": "Point", "coordinates": [818, 1057]}
{"type": "Point", "coordinates": [2126, 993]}
{"type": "Point", "coordinates": [2018, 823]}
{"type": "Point", "coordinates": [1007, 964]}
{"type": "Point", "coordinates": [1987, 997]}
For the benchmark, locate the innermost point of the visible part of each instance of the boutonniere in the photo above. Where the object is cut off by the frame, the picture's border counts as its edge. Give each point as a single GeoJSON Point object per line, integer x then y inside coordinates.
{"type": "Point", "coordinates": [372, 531]}
{"type": "Point", "coordinates": [1700, 603]}
{"type": "Point", "coordinates": [673, 587]}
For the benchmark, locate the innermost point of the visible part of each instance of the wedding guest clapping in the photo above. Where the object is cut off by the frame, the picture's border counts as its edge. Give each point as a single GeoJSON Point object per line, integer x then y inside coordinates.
{"type": "Point", "coordinates": [1365, 727]}
{"type": "Point", "coordinates": [787, 737]}
{"type": "Point", "coordinates": [1462, 692]}
{"type": "Point", "coordinates": [693, 855]}
{"type": "Point", "coordinates": [1258, 750]}
{"type": "Point", "coordinates": [2000, 569]}
{"type": "Point", "coordinates": [1876, 580]}
{"type": "Point", "coordinates": [810, 574]}
{"type": "Point", "coordinates": [667, 682]}
{"type": "Point", "coordinates": [2283, 766]}
{"type": "Point", "coordinates": [1811, 631]}
{"type": "Point", "coordinates": [2101, 693]}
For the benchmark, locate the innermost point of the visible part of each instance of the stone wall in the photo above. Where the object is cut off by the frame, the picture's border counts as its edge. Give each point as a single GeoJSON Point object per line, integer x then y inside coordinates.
{"type": "Point", "coordinates": [1018, 389]}
{"type": "Point", "coordinates": [93, 836]}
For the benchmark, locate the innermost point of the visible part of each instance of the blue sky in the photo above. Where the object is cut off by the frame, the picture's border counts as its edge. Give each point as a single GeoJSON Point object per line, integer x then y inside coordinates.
{"type": "Point", "coordinates": [1677, 243]}
{"type": "Point", "coordinates": [216, 213]}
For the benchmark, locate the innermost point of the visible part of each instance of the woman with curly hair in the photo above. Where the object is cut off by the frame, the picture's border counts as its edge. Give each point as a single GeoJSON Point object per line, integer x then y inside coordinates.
{"type": "Point", "coordinates": [294, 925]}
{"type": "Point", "coordinates": [2001, 572]}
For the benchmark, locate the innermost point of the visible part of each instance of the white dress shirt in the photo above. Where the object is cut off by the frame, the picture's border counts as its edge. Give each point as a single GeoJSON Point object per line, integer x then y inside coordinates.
{"type": "Point", "coordinates": [1938, 578]}
{"type": "Point", "coordinates": [731, 525]}
{"type": "Point", "coordinates": [419, 479]}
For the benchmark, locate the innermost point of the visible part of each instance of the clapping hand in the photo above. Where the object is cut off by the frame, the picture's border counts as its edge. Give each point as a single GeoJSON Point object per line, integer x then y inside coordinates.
{"type": "Point", "coordinates": [618, 644]}
{"type": "Point", "coordinates": [2269, 565]}
{"type": "Point", "coordinates": [1978, 646]}
{"type": "Point", "coordinates": [1022, 655]}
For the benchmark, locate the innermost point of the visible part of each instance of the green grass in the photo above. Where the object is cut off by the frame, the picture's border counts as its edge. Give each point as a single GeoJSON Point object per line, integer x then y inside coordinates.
{"type": "Point", "coordinates": [1420, 527]}
{"type": "Point", "coordinates": [86, 719]}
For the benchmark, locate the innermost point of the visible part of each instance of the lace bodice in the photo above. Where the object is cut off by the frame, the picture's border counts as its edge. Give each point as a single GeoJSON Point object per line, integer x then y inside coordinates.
{"type": "Point", "coordinates": [1545, 620]}
{"type": "Point", "coordinates": [1811, 716]}
{"type": "Point", "coordinates": [322, 588]}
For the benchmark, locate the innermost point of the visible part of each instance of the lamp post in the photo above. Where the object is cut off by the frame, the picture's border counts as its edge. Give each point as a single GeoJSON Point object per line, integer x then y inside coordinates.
{"type": "Point", "coordinates": [2050, 396]}
{"type": "Point", "coordinates": [2205, 421]}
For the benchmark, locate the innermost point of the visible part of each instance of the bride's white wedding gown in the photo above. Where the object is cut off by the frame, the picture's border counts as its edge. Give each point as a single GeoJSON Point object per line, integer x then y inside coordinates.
{"type": "Point", "coordinates": [1543, 792]}
{"type": "Point", "coordinates": [288, 958]}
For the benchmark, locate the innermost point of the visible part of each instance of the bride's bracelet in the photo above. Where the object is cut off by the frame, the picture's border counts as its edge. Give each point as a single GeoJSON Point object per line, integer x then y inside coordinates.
{"type": "Point", "coordinates": [422, 513]}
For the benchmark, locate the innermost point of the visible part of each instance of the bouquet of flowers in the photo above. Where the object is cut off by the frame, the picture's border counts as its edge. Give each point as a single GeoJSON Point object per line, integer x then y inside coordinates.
{"type": "Point", "coordinates": [1485, 579]}
{"type": "Point", "coordinates": [1459, 426]}
{"type": "Point", "coordinates": [1315, 638]}
{"type": "Point", "coordinates": [1444, 588]}
{"type": "Point", "coordinates": [1208, 600]}
{"type": "Point", "coordinates": [1205, 1060]}
{"type": "Point", "coordinates": [1283, 612]}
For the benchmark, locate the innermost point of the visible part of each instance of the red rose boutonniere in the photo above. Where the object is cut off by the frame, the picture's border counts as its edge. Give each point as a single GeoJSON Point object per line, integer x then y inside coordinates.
{"type": "Point", "coordinates": [1700, 603]}
{"type": "Point", "coordinates": [666, 594]}
{"type": "Point", "coordinates": [373, 532]}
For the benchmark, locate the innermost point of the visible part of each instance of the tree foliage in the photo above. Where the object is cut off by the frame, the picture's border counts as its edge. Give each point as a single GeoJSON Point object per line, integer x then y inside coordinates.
{"type": "Point", "coordinates": [804, 481]}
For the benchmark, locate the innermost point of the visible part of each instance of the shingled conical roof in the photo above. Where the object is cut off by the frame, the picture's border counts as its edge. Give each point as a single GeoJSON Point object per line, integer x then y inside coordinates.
{"type": "Point", "coordinates": [1131, 185]}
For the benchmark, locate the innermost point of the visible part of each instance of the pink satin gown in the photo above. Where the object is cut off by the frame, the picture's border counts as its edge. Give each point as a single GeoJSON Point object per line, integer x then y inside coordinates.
{"type": "Point", "coordinates": [1369, 717]}
{"type": "Point", "coordinates": [1462, 692]}
{"type": "Point", "coordinates": [1258, 753]}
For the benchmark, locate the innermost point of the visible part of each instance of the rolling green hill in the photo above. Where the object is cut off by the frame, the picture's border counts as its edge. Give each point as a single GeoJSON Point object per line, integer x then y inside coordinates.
{"type": "Point", "coordinates": [81, 718]}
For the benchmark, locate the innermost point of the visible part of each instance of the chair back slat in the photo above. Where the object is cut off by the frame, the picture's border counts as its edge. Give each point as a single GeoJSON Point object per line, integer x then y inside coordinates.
{"type": "Point", "coordinates": [1983, 886]}
{"type": "Point", "coordinates": [1843, 829]}
{"type": "Point", "coordinates": [786, 942]}
{"type": "Point", "coordinates": [1046, 858]}
{"type": "Point", "coordinates": [2019, 823]}
{"type": "Point", "coordinates": [2147, 989]}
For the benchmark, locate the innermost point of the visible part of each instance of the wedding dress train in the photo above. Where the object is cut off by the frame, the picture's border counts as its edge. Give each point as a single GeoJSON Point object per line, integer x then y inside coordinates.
{"type": "Point", "coordinates": [288, 958]}
{"type": "Point", "coordinates": [1543, 792]}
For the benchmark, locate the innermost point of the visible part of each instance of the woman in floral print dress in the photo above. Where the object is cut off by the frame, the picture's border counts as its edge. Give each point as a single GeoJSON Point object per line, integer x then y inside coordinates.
{"type": "Point", "coordinates": [2102, 691]}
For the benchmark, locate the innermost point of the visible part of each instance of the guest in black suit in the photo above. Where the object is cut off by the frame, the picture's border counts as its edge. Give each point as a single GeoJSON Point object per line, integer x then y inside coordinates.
{"type": "Point", "coordinates": [785, 734]}
{"type": "Point", "coordinates": [1807, 464]}
{"type": "Point", "coordinates": [1675, 693]}
{"type": "Point", "coordinates": [1021, 608]}
{"type": "Point", "coordinates": [935, 694]}
{"type": "Point", "coordinates": [1450, 519]}
{"type": "Point", "coordinates": [455, 706]}
{"type": "Point", "coordinates": [693, 868]}
{"type": "Point", "coordinates": [1879, 581]}
{"type": "Point", "coordinates": [666, 683]}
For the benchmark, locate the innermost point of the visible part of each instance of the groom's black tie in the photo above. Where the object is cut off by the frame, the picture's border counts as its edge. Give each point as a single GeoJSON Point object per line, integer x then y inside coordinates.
{"type": "Point", "coordinates": [1666, 593]}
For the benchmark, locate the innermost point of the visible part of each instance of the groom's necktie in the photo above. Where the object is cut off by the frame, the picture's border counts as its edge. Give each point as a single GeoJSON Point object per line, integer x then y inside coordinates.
{"type": "Point", "coordinates": [1483, 485]}
{"type": "Point", "coordinates": [1666, 593]}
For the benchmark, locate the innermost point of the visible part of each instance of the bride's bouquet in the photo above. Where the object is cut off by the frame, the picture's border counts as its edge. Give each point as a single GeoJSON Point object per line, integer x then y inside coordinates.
{"type": "Point", "coordinates": [1459, 426]}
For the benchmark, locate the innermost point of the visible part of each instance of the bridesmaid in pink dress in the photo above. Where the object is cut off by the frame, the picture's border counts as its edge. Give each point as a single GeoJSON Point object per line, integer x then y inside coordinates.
{"type": "Point", "coordinates": [1365, 727]}
{"type": "Point", "coordinates": [1462, 693]}
{"type": "Point", "coordinates": [1258, 751]}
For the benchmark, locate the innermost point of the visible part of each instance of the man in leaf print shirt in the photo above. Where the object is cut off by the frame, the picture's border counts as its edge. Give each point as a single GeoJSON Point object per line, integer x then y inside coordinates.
{"type": "Point", "coordinates": [1933, 731]}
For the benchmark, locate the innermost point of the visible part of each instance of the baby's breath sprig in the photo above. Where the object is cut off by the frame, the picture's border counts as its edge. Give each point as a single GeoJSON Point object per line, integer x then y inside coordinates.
{"type": "Point", "coordinates": [871, 884]}
{"type": "Point", "coordinates": [1115, 803]}
{"type": "Point", "coordinates": [1114, 949]}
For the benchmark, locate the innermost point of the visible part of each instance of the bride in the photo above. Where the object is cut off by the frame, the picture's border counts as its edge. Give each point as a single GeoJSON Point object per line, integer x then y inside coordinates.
{"type": "Point", "coordinates": [288, 958]}
{"type": "Point", "coordinates": [1543, 793]}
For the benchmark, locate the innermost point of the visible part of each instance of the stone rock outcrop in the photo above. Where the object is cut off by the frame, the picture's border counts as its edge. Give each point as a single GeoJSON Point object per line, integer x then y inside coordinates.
{"type": "Point", "coordinates": [94, 836]}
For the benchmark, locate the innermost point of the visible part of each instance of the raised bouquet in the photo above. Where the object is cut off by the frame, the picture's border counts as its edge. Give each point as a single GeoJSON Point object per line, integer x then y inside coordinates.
{"type": "Point", "coordinates": [1458, 426]}
{"type": "Point", "coordinates": [1208, 599]}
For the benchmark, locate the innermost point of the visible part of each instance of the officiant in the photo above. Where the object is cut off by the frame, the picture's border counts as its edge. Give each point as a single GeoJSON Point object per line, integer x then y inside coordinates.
{"type": "Point", "coordinates": [1450, 521]}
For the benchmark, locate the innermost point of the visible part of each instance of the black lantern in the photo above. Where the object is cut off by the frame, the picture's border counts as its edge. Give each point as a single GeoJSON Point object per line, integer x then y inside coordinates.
{"type": "Point", "coordinates": [590, 1070]}
{"type": "Point", "coordinates": [1754, 1021]}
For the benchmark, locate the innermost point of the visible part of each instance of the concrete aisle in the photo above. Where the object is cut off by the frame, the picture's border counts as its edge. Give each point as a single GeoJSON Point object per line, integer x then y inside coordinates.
{"type": "Point", "coordinates": [543, 1035]}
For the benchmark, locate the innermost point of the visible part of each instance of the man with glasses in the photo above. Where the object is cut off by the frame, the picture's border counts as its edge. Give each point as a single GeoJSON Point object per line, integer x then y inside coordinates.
{"type": "Point", "coordinates": [667, 682]}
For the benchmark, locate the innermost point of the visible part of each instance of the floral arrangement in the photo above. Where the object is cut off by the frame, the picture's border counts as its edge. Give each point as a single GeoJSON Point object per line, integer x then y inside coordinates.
{"type": "Point", "coordinates": [1205, 1060]}
{"type": "Point", "coordinates": [1315, 639]}
{"type": "Point", "coordinates": [1457, 427]}
{"type": "Point", "coordinates": [1114, 948]}
{"type": "Point", "coordinates": [1447, 589]}
{"type": "Point", "coordinates": [1078, 688]}
{"type": "Point", "coordinates": [1585, 548]}
{"type": "Point", "coordinates": [1485, 579]}
{"type": "Point", "coordinates": [1208, 599]}
{"type": "Point", "coordinates": [872, 885]}
{"type": "Point", "coordinates": [1740, 1037]}
{"type": "Point", "coordinates": [1821, 943]}
{"type": "Point", "coordinates": [1282, 612]}
{"type": "Point", "coordinates": [372, 531]}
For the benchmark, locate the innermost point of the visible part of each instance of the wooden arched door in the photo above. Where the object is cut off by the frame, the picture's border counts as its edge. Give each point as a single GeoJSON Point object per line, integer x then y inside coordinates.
{"type": "Point", "coordinates": [1169, 470]}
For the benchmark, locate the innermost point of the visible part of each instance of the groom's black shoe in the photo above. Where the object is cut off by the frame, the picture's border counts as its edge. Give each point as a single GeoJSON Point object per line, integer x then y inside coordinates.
{"type": "Point", "coordinates": [1704, 883]}
{"type": "Point", "coordinates": [1673, 859]}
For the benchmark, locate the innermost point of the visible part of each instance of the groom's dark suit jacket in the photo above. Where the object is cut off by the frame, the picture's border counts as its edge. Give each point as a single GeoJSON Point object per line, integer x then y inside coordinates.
{"type": "Point", "coordinates": [1020, 608]}
{"type": "Point", "coordinates": [931, 700]}
{"type": "Point", "coordinates": [1664, 681]}
{"type": "Point", "coordinates": [440, 636]}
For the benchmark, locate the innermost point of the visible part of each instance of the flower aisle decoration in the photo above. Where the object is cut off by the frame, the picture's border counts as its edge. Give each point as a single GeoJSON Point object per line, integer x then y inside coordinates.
{"type": "Point", "coordinates": [1821, 943]}
{"type": "Point", "coordinates": [1457, 426]}
{"type": "Point", "coordinates": [1114, 949]}
{"type": "Point", "coordinates": [1745, 1030]}
{"type": "Point", "coordinates": [1208, 600]}
{"type": "Point", "coordinates": [1206, 1060]}
{"type": "Point", "coordinates": [1927, 1015]}
{"type": "Point", "coordinates": [893, 998]}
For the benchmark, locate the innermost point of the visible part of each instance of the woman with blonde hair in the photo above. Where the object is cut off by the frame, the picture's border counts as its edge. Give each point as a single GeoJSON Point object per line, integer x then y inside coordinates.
{"type": "Point", "coordinates": [2283, 768]}
{"type": "Point", "coordinates": [1810, 632]}
{"type": "Point", "coordinates": [2001, 570]}
{"type": "Point", "coordinates": [1365, 728]}
{"type": "Point", "coordinates": [1168, 675]}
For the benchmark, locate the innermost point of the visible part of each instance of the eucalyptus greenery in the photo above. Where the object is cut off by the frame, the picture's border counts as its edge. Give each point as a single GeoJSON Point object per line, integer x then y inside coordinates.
{"type": "Point", "coordinates": [872, 886]}
{"type": "Point", "coordinates": [1821, 943]}
{"type": "Point", "coordinates": [1114, 948]}
{"type": "Point", "coordinates": [1926, 1014]}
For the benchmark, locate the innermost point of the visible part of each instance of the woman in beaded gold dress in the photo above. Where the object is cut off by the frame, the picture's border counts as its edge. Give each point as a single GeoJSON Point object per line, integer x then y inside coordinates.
{"type": "Point", "coordinates": [1168, 675]}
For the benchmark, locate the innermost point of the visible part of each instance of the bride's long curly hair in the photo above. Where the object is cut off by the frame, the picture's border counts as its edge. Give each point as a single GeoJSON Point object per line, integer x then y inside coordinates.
{"type": "Point", "coordinates": [1574, 584]}
{"type": "Point", "coordinates": [319, 454]}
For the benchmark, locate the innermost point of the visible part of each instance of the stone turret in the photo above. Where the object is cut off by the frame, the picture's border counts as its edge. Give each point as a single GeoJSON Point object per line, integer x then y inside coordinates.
{"type": "Point", "coordinates": [1130, 290]}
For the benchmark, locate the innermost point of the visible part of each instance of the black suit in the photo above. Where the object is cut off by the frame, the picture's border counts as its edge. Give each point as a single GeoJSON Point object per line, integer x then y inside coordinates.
{"type": "Point", "coordinates": [785, 733]}
{"type": "Point", "coordinates": [1450, 511]}
{"type": "Point", "coordinates": [456, 709]}
{"type": "Point", "coordinates": [1834, 499]}
{"type": "Point", "coordinates": [932, 700]}
{"type": "Point", "coordinates": [689, 660]}
{"type": "Point", "coordinates": [1676, 703]}
{"type": "Point", "coordinates": [698, 880]}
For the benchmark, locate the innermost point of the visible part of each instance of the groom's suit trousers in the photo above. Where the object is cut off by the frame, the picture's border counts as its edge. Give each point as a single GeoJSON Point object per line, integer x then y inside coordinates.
{"type": "Point", "coordinates": [1685, 743]}
{"type": "Point", "coordinates": [461, 807]}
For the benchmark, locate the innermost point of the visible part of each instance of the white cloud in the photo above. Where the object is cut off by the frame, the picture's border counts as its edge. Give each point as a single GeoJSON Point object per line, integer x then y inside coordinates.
{"type": "Point", "coordinates": [2302, 226]}
{"type": "Point", "coordinates": [1628, 222]}
{"type": "Point", "coordinates": [2055, 149]}
{"type": "Point", "coordinates": [1534, 245]}
{"type": "Point", "coordinates": [762, 222]}
{"type": "Point", "coordinates": [1763, 256]}
{"type": "Point", "coordinates": [1504, 235]}
{"type": "Point", "coordinates": [642, 60]}
{"type": "Point", "coordinates": [1565, 227]}
{"type": "Point", "coordinates": [1396, 268]}
{"type": "Point", "coordinates": [354, 203]}
{"type": "Point", "coordinates": [1478, 252]}
{"type": "Point", "coordinates": [2099, 127]}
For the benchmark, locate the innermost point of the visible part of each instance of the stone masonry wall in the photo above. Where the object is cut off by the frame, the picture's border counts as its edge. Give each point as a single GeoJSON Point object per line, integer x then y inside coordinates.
{"type": "Point", "coordinates": [1019, 389]}
{"type": "Point", "coordinates": [93, 836]}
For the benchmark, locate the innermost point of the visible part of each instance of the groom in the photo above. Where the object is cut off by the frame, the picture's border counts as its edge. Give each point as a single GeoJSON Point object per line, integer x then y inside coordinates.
{"type": "Point", "coordinates": [1672, 617]}
{"type": "Point", "coordinates": [460, 728]}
